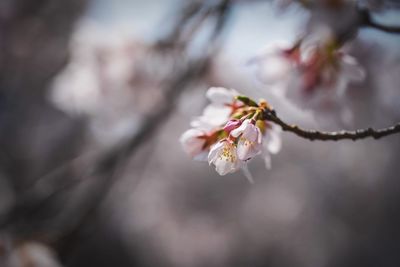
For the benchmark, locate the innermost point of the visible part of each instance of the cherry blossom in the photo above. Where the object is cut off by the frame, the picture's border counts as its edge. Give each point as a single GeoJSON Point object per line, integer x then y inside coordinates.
{"type": "Point", "coordinates": [192, 142]}
{"type": "Point", "coordinates": [249, 140]}
{"type": "Point", "coordinates": [240, 134]}
{"type": "Point", "coordinates": [276, 63]}
{"type": "Point", "coordinates": [313, 74]}
{"type": "Point", "coordinates": [196, 142]}
{"type": "Point", "coordinates": [225, 158]}
{"type": "Point", "coordinates": [231, 125]}
{"type": "Point", "coordinates": [223, 105]}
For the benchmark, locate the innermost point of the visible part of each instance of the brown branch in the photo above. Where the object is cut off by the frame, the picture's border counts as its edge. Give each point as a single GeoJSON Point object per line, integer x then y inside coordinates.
{"type": "Point", "coordinates": [368, 21]}
{"type": "Point", "coordinates": [270, 115]}
{"type": "Point", "coordinates": [384, 28]}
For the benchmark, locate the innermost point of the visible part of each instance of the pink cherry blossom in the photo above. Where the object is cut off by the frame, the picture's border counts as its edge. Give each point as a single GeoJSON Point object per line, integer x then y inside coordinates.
{"type": "Point", "coordinates": [250, 140]}
{"type": "Point", "coordinates": [196, 142]}
{"type": "Point", "coordinates": [231, 125]}
{"type": "Point", "coordinates": [224, 156]}
{"type": "Point", "coordinates": [223, 104]}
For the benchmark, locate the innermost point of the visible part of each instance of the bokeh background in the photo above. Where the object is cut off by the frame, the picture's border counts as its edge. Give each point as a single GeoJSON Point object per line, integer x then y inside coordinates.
{"type": "Point", "coordinates": [94, 96]}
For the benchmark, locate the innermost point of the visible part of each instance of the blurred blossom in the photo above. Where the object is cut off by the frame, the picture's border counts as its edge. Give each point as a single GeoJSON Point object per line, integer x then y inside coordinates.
{"type": "Point", "coordinates": [164, 209]}
{"type": "Point", "coordinates": [274, 65]}
{"type": "Point", "coordinates": [272, 142]}
{"type": "Point", "coordinates": [113, 81]}
{"type": "Point", "coordinates": [222, 106]}
{"type": "Point", "coordinates": [313, 74]}
{"type": "Point", "coordinates": [33, 254]}
{"type": "Point", "coordinates": [194, 142]}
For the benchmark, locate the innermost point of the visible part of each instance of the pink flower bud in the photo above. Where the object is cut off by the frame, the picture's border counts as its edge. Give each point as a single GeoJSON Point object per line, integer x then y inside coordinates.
{"type": "Point", "coordinates": [231, 125]}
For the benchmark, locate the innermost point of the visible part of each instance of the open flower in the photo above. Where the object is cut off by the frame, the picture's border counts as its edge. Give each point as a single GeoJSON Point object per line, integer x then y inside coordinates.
{"type": "Point", "coordinates": [192, 142]}
{"type": "Point", "coordinates": [314, 74]}
{"type": "Point", "coordinates": [223, 105]}
{"type": "Point", "coordinates": [224, 156]}
{"type": "Point", "coordinates": [196, 142]}
{"type": "Point", "coordinates": [321, 82]}
{"type": "Point", "coordinates": [325, 68]}
{"type": "Point", "coordinates": [236, 137]}
{"type": "Point", "coordinates": [249, 139]}
{"type": "Point", "coordinates": [276, 64]}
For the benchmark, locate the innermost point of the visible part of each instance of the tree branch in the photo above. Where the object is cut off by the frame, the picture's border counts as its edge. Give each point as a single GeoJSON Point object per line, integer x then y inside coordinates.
{"type": "Point", "coordinates": [270, 115]}
{"type": "Point", "coordinates": [368, 21]}
{"type": "Point", "coordinates": [384, 28]}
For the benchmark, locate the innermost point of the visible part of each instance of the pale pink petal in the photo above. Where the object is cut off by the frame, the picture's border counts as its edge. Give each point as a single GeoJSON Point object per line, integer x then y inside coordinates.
{"type": "Point", "coordinates": [224, 167]}
{"type": "Point", "coordinates": [351, 69]}
{"type": "Point", "coordinates": [223, 156]}
{"type": "Point", "coordinates": [273, 139]}
{"type": "Point", "coordinates": [191, 143]}
{"type": "Point", "coordinates": [202, 123]}
{"type": "Point", "coordinates": [247, 173]}
{"type": "Point", "coordinates": [273, 69]}
{"type": "Point", "coordinates": [214, 150]}
{"type": "Point", "coordinates": [220, 95]}
{"type": "Point", "coordinates": [238, 131]}
{"type": "Point", "coordinates": [247, 149]}
{"type": "Point", "coordinates": [251, 133]}
{"type": "Point", "coordinates": [231, 125]}
{"type": "Point", "coordinates": [216, 115]}
{"type": "Point", "coordinates": [267, 160]}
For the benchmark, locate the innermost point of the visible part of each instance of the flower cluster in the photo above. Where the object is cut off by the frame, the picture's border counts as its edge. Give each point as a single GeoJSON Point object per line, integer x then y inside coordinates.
{"type": "Point", "coordinates": [314, 73]}
{"type": "Point", "coordinates": [230, 132]}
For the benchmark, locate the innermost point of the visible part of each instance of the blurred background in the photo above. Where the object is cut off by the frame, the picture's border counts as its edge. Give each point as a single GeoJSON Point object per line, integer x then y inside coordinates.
{"type": "Point", "coordinates": [94, 96]}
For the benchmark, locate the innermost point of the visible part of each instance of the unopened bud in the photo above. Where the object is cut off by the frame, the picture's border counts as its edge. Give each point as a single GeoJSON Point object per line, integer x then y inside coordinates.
{"type": "Point", "coordinates": [247, 101]}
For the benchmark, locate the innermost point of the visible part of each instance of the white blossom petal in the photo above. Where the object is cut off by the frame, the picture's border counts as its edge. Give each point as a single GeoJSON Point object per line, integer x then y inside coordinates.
{"type": "Point", "coordinates": [214, 150]}
{"type": "Point", "coordinates": [247, 173]}
{"type": "Point", "coordinates": [216, 115]}
{"type": "Point", "coordinates": [351, 69]}
{"type": "Point", "coordinates": [273, 139]}
{"type": "Point", "coordinates": [247, 149]}
{"type": "Point", "coordinates": [249, 144]}
{"type": "Point", "coordinates": [223, 155]}
{"type": "Point", "coordinates": [191, 143]}
{"type": "Point", "coordinates": [220, 95]}
{"type": "Point", "coordinates": [267, 160]}
{"type": "Point", "coordinates": [273, 69]}
{"type": "Point", "coordinates": [238, 131]}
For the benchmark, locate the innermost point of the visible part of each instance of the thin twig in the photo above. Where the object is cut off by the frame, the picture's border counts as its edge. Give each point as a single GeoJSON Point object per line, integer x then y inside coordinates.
{"type": "Point", "coordinates": [270, 115]}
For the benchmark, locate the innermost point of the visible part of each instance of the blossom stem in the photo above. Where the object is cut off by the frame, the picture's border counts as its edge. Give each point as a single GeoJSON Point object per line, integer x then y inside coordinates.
{"type": "Point", "coordinates": [256, 115]}
{"type": "Point", "coordinates": [270, 115]}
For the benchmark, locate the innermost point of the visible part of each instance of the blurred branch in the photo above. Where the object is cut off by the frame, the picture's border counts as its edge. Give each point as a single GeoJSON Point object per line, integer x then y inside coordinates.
{"type": "Point", "coordinates": [108, 168]}
{"type": "Point", "coordinates": [368, 21]}
{"type": "Point", "coordinates": [106, 171]}
{"type": "Point", "coordinates": [388, 29]}
{"type": "Point", "coordinates": [270, 115]}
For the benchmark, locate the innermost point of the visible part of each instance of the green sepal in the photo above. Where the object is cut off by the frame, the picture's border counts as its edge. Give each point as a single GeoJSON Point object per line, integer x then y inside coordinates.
{"type": "Point", "coordinates": [247, 101]}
